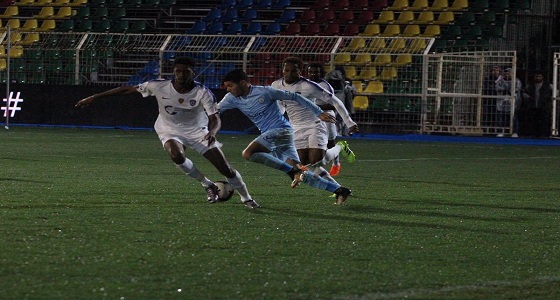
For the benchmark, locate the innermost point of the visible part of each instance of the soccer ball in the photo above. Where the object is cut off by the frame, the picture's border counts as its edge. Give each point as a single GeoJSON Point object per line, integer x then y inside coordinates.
{"type": "Point", "coordinates": [226, 190]}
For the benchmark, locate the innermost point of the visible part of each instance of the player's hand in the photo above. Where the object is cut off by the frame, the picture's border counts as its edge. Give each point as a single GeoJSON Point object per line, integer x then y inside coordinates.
{"type": "Point", "coordinates": [353, 129]}
{"type": "Point", "coordinates": [326, 117]}
{"type": "Point", "coordinates": [85, 102]}
{"type": "Point", "coordinates": [210, 138]}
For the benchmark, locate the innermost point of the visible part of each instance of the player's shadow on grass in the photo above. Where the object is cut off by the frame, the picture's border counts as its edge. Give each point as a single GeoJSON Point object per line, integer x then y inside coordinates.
{"type": "Point", "coordinates": [23, 180]}
{"type": "Point", "coordinates": [372, 219]}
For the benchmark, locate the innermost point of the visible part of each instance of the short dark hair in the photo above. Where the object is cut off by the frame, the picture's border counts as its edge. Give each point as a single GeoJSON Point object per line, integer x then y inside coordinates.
{"type": "Point", "coordinates": [236, 76]}
{"type": "Point", "coordinates": [189, 62]}
{"type": "Point", "coordinates": [318, 66]}
{"type": "Point", "coordinates": [294, 60]}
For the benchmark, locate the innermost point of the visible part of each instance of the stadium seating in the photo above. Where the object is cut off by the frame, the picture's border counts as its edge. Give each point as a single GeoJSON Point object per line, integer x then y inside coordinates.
{"type": "Point", "coordinates": [360, 102]}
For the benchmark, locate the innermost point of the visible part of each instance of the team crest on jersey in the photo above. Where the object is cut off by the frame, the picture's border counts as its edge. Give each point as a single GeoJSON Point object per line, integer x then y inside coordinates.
{"type": "Point", "coordinates": [181, 100]}
{"type": "Point", "coordinates": [192, 102]}
{"type": "Point", "coordinates": [261, 100]}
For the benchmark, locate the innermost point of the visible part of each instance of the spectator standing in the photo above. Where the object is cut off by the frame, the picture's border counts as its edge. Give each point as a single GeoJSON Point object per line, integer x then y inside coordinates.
{"type": "Point", "coordinates": [538, 104]}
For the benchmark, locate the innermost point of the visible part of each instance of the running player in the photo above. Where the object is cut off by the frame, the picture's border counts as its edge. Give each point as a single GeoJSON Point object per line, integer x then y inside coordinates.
{"type": "Point", "coordinates": [275, 146]}
{"type": "Point", "coordinates": [188, 116]}
{"type": "Point", "coordinates": [310, 134]}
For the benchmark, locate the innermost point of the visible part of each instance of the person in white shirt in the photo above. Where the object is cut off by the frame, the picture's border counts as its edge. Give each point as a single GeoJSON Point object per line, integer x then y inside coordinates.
{"type": "Point", "coordinates": [310, 133]}
{"type": "Point", "coordinates": [188, 117]}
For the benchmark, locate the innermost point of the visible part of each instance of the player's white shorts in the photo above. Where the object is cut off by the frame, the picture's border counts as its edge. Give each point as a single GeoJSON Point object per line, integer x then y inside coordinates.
{"type": "Point", "coordinates": [332, 131]}
{"type": "Point", "coordinates": [313, 136]}
{"type": "Point", "coordinates": [191, 137]}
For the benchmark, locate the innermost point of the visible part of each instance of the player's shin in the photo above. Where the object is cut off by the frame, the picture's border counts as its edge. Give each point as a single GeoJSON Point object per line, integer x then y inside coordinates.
{"type": "Point", "coordinates": [320, 171]}
{"type": "Point", "coordinates": [270, 161]}
{"type": "Point", "coordinates": [188, 167]}
{"type": "Point", "coordinates": [240, 186]}
{"type": "Point", "coordinates": [320, 183]}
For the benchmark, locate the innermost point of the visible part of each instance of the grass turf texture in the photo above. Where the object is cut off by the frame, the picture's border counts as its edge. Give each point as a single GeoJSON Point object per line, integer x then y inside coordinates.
{"type": "Point", "coordinates": [104, 214]}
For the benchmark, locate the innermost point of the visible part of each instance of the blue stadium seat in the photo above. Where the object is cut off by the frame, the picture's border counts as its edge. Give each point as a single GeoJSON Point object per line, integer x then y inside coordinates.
{"type": "Point", "coordinates": [197, 28]}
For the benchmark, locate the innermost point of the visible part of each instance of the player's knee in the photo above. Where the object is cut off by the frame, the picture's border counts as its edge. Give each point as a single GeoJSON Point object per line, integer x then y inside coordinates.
{"type": "Point", "coordinates": [247, 154]}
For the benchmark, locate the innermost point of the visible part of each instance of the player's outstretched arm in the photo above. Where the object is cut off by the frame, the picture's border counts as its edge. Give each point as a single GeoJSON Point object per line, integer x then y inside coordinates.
{"type": "Point", "coordinates": [123, 90]}
{"type": "Point", "coordinates": [326, 117]}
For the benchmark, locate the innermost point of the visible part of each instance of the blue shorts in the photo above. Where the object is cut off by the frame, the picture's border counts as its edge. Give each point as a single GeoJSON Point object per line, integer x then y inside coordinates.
{"type": "Point", "coordinates": [280, 142]}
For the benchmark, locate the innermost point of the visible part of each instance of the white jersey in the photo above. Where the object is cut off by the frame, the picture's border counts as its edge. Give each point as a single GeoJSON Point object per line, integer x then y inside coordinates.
{"type": "Point", "coordinates": [300, 116]}
{"type": "Point", "coordinates": [181, 113]}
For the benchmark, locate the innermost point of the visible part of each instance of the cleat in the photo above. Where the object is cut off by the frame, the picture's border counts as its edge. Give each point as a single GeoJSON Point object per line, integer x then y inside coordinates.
{"type": "Point", "coordinates": [346, 152]}
{"type": "Point", "coordinates": [334, 170]}
{"type": "Point", "coordinates": [251, 204]}
{"type": "Point", "coordinates": [298, 177]}
{"type": "Point", "coordinates": [212, 192]}
{"type": "Point", "coordinates": [342, 194]}
{"type": "Point", "coordinates": [304, 168]}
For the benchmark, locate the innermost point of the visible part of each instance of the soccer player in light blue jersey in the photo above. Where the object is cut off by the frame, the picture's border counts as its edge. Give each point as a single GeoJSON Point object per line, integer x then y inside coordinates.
{"type": "Point", "coordinates": [275, 146]}
{"type": "Point", "coordinates": [188, 116]}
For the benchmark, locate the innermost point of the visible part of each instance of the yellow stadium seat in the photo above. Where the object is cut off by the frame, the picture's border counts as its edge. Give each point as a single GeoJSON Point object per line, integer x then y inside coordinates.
{"type": "Point", "coordinates": [411, 30]}
{"type": "Point", "coordinates": [374, 87]}
{"type": "Point", "coordinates": [416, 46]}
{"type": "Point", "coordinates": [45, 13]}
{"type": "Point", "coordinates": [29, 39]}
{"type": "Point", "coordinates": [60, 3]}
{"type": "Point", "coordinates": [371, 30]}
{"type": "Point", "coordinates": [356, 44]}
{"type": "Point", "coordinates": [385, 17]}
{"type": "Point", "coordinates": [367, 73]}
{"type": "Point", "coordinates": [388, 73]}
{"type": "Point", "coordinates": [377, 44]}
{"type": "Point", "coordinates": [398, 5]}
{"type": "Point", "coordinates": [30, 25]}
{"type": "Point", "coordinates": [425, 17]}
{"type": "Point", "coordinates": [10, 12]}
{"type": "Point", "coordinates": [402, 60]}
{"type": "Point", "coordinates": [78, 2]}
{"type": "Point", "coordinates": [362, 59]}
{"type": "Point", "coordinates": [12, 23]}
{"type": "Point", "coordinates": [459, 5]}
{"type": "Point", "coordinates": [431, 31]}
{"type": "Point", "coordinates": [63, 13]}
{"type": "Point", "coordinates": [405, 17]}
{"type": "Point", "coordinates": [3, 64]}
{"type": "Point", "coordinates": [381, 60]}
{"type": "Point", "coordinates": [396, 45]}
{"type": "Point", "coordinates": [439, 5]}
{"type": "Point", "coordinates": [342, 58]}
{"type": "Point", "coordinates": [42, 2]}
{"type": "Point", "coordinates": [358, 85]}
{"type": "Point", "coordinates": [444, 18]}
{"type": "Point", "coordinates": [360, 102]}
{"type": "Point", "coordinates": [419, 5]}
{"type": "Point", "coordinates": [350, 72]}
{"type": "Point", "coordinates": [391, 30]}
{"type": "Point", "coordinates": [47, 25]}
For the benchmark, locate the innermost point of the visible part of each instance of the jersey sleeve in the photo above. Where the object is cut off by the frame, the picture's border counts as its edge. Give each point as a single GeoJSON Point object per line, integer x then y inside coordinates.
{"type": "Point", "coordinates": [208, 100]}
{"type": "Point", "coordinates": [144, 89]}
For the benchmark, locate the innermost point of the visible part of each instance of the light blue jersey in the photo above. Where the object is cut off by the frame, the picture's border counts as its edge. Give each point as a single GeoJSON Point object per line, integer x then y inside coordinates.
{"type": "Point", "coordinates": [261, 106]}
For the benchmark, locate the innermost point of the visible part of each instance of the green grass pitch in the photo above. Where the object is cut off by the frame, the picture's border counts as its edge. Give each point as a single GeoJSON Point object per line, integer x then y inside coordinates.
{"type": "Point", "coordinates": [104, 214]}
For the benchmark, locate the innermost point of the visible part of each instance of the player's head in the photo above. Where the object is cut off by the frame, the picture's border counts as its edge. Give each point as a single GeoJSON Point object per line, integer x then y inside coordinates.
{"type": "Point", "coordinates": [315, 71]}
{"type": "Point", "coordinates": [538, 77]}
{"type": "Point", "coordinates": [237, 83]}
{"type": "Point", "coordinates": [183, 69]}
{"type": "Point", "coordinates": [291, 69]}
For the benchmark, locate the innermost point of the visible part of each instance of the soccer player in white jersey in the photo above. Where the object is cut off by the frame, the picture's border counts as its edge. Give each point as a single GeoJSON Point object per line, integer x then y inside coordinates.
{"type": "Point", "coordinates": [310, 134]}
{"type": "Point", "coordinates": [275, 146]}
{"type": "Point", "coordinates": [315, 73]}
{"type": "Point", "coordinates": [188, 116]}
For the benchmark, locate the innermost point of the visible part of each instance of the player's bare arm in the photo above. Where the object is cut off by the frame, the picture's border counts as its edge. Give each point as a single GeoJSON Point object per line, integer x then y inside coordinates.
{"type": "Point", "coordinates": [214, 124]}
{"type": "Point", "coordinates": [123, 90]}
{"type": "Point", "coordinates": [326, 117]}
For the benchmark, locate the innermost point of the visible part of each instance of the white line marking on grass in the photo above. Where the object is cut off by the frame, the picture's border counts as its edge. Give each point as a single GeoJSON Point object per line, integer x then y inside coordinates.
{"type": "Point", "coordinates": [457, 158]}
